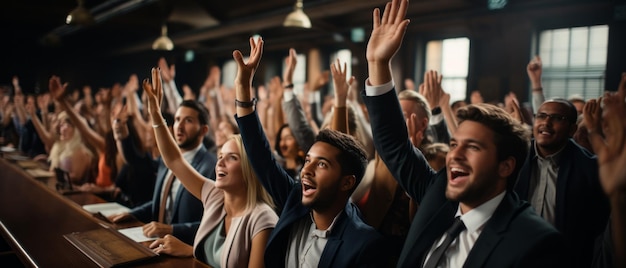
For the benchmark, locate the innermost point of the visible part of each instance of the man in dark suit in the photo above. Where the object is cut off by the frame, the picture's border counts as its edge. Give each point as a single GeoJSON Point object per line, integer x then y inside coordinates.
{"type": "Point", "coordinates": [486, 152]}
{"type": "Point", "coordinates": [179, 213]}
{"type": "Point", "coordinates": [560, 181]}
{"type": "Point", "coordinates": [318, 227]}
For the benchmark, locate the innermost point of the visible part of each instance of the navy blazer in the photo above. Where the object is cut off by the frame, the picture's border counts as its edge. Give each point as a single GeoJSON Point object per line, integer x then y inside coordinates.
{"type": "Point", "coordinates": [351, 243]}
{"type": "Point", "coordinates": [514, 236]}
{"type": "Point", "coordinates": [188, 209]}
{"type": "Point", "coordinates": [582, 209]}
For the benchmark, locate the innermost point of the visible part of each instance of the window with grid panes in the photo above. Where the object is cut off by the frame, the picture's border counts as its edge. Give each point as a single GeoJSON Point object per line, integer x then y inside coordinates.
{"type": "Point", "coordinates": [574, 61]}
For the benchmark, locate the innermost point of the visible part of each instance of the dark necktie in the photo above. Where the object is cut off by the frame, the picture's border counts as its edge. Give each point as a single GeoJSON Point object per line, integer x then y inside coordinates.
{"type": "Point", "coordinates": [454, 231]}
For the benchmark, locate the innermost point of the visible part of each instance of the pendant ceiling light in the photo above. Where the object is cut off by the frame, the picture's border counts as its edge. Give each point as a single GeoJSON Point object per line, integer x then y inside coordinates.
{"type": "Point", "coordinates": [80, 16]}
{"type": "Point", "coordinates": [297, 18]}
{"type": "Point", "coordinates": [163, 42]}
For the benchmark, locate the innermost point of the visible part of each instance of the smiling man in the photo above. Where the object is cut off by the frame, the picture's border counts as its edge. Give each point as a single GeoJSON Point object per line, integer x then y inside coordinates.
{"type": "Point", "coordinates": [560, 180]}
{"type": "Point", "coordinates": [318, 226]}
{"type": "Point", "coordinates": [468, 214]}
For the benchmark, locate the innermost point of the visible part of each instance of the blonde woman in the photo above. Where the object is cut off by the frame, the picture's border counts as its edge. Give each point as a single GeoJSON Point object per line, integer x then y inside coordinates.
{"type": "Point", "coordinates": [238, 213]}
{"type": "Point", "coordinates": [69, 152]}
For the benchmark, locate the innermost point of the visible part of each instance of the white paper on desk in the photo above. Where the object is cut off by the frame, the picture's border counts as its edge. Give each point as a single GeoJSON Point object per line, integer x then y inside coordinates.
{"type": "Point", "coordinates": [107, 209]}
{"type": "Point", "coordinates": [136, 233]}
{"type": "Point", "coordinates": [40, 173]}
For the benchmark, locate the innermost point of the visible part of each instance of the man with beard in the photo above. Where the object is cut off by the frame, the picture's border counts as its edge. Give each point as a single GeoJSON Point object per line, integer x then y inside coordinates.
{"type": "Point", "coordinates": [560, 180]}
{"type": "Point", "coordinates": [560, 177]}
{"type": "Point", "coordinates": [318, 226]}
{"type": "Point", "coordinates": [173, 210]}
{"type": "Point", "coordinates": [468, 215]}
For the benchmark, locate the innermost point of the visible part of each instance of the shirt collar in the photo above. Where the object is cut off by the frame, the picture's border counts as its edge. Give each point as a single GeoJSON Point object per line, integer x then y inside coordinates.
{"type": "Point", "coordinates": [188, 155]}
{"type": "Point", "coordinates": [477, 217]}
{"type": "Point", "coordinates": [322, 233]}
{"type": "Point", "coordinates": [554, 158]}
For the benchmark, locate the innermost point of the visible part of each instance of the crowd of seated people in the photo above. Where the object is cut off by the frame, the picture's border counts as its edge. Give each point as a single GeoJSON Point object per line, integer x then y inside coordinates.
{"type": "Point", "coordinates": [252, 176]}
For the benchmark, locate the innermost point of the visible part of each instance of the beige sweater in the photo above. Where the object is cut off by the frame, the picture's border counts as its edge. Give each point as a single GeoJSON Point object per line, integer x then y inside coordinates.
{"type": "Point", "coordinates": [236, 249]}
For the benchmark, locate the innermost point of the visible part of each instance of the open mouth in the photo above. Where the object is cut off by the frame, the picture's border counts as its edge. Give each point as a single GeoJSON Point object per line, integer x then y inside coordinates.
{"type": "Point", "coordinates": [545, 132]}
{"type": "Point", "coordinates": [457, 172]}
{"type": "Point", "coordinates": [308, 188]}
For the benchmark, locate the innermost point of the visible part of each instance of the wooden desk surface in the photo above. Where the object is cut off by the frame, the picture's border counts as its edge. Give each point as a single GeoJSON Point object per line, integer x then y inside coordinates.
{"type": "Point", "coordinates": [34, 218]}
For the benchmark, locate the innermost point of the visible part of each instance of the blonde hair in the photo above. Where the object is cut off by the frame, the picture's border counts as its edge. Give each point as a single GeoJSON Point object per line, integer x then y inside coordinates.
{"type": "Point", "coordinates": [64, 149]}
{"type": "Point", "coordinates": [255, 191]}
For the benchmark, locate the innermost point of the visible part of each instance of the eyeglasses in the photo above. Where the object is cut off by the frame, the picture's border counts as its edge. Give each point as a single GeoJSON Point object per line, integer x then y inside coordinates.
{"type": "Point", "coordinates": [554, 117]}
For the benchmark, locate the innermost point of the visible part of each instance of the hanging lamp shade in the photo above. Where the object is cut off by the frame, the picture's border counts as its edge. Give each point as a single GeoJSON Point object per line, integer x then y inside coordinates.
{"type": "Point", "coordinates": [80, 16]}
{"type": "Point", "coordinates": [163, 42]}
{"type": "Point", "coordinates": [297, 18]}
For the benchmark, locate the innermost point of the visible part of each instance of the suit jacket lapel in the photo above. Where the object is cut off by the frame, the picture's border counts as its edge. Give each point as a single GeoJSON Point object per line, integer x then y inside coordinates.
{"type": "Point", "coordinates": [336, 237]}
{"type": "Point", "coordinates": [195, 163]}
{"type": "Point", "coordinates": [523, 179]}
{"type": "Point", "coordinates": [492, 233]}
{"type": "Point", "coordinates": [565, 168]}
{"type": "Point", "coordinates": [434, 229]}
{"type": "Point", "coordinates": [162, 171]}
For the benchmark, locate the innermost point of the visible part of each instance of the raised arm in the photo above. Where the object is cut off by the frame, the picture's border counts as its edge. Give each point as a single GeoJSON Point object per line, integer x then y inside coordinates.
{"type": "Point", "coordinates": [610, 122]}
{"type": "Point", "coordinates": [209, 95]}
{"type": "Point", "coordinates": [132, 103]}
{"type": "Point", "coordinates": [274, 179]}
{"type": "Point", "coordinates": [170, 153]}
{"type": "Point", "coordinates": [342, 85]}
{"type": "Point", "coordinates": [18, 100]}
{"type": "Point", "coordinates": [172, 96]}
{"type": "Point", "coordinates": [296, 116]}
{"type": "Point", "coordinates": [392, 143]}
{"type": "Point", "coordinates": [91, 136]}
{"type": "Point", "coordinates": [534, 69]}
{"type": "Point", "coordinates": [276, 117]}
{"type": "Point", "coordinates": [47, 137]}
{"type": "Point", "coordinates": [385, 40]}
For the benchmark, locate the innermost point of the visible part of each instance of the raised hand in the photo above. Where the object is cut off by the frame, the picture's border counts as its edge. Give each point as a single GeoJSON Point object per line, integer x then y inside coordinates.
{"type": "Point", "coordinates": [132, 85]}
{"type": "Point", "coordinates": [409, 84]}
{"type": "Point", "coordinates": [385, 40]}
{"type": "Point", "coordinates": [431, 88]}
{"type": "Point", "coordinates": [119, 117]}
{"type": "Point", "coordinates": [511, 105]}
{"type": "Point", "coordinates": [188, 93]}
{"type": "Point", "coordinates": [387, 32]}
{"type": "Point", "coordinates": [592, 115]}
{"type": "Point", "coordinates": [476, 97]}
{"type": "Point", "coordinates": [415, 134]}
{"type": "Point", "coordinates": [42, 102]}
{"type": "Point", "coordinates": [342, 86]}
{"type": "Point", "coordinates": [610, 149]}
{"type": "Point", "coordinates": [291, 61]}
{"type": "Point", "coordinates": [168, 72]}
{"type": "Point", "coordinates": [534, 70]}
{"type": "Point", "coordinates": [246, 70]}
{"type": "Point", "coordinates": [16, 84]}
{"type": "Point", "coordinates": [57, 90]}
{"type": "Point", "coordinates": [276, 91]}
{"type": "Point", "coordinates": [154, 92]}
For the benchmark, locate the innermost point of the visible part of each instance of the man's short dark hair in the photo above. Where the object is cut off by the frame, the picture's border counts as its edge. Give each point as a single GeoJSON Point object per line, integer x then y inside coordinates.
{"type": "Point", "coordinates": [203, 113]}
{"type": "Point", "coordinates": [352, 156]}
{"type": "Point", "coordinates": [511, 137]}
{"type": "Point", "coordinates": [572, 114]}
